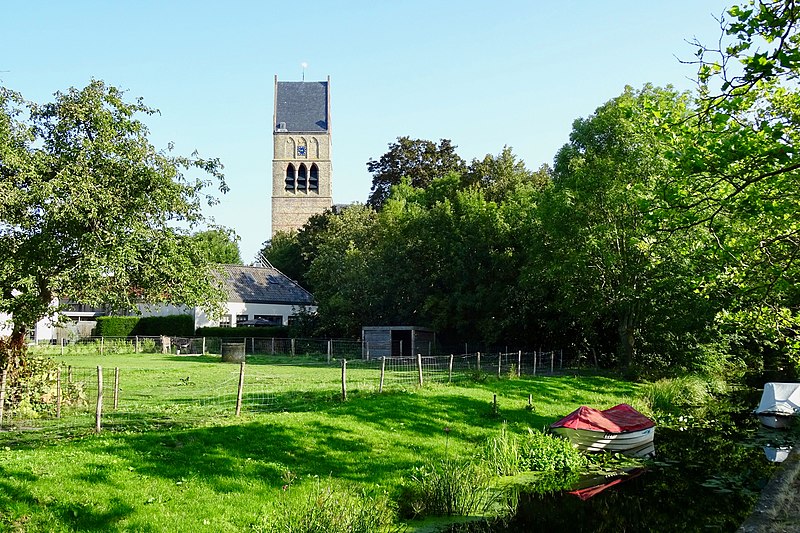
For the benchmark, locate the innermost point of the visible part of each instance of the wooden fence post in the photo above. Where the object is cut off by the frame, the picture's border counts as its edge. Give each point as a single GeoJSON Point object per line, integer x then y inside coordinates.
{"type": "Point", "coordinates": [450, 370]}
{"type": "Point", "coordinates": [419, 367]}
{"type": "Point", "coordinates": [240, 390]}
{"type": "Point", "coordinates": [98, 415]}
{"type": "Point", "coordinates": [499, 364]}
{"type": "Point", "coordinates": [136, 344]}
{"type": "Point", "coordinates": [62, 346]}
{"type": "Point", "coordinates": [116, 388]}
{"type": "Point", "coordinates": [479, 361]}
{"type": "Point", "coordinates": [204, 347]}
{"type": "Point", "coordinates": [530, 401]}
{"type": "Point", "coordinates": [272, 346]}
{"type": "Point", "coordinates": [330, 350]}
{"type": "Point", "coordinates": [102, 342]}
{"type": "Point", "coordinates": [552, 361]}
{"type": "Point", "coordinates": [344, 379]}
{"type": "Point", "coordinates": [383, 372]}
{"type": "Point", "coordinates": [519, 364]}
{"type": "Point", "coordinates": [292, 347]}
{"type": "Point", "coordinates": [561, 359]}
{"type": "Point", "coordinates": [535, 357]}
{"type": "Point", "coordinates": [58, 392]}
{"type": "Point", "coordinates": [3, 394]}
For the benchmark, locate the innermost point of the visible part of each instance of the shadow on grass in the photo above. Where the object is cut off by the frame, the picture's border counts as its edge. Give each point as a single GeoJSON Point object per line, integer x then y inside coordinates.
{"type": "Point", "coordinates": [74, 515]}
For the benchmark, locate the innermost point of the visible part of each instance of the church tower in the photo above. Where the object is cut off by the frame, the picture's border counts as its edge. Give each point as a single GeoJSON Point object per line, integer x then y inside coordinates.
{"type": "Point", "coordinates": [301, 163]}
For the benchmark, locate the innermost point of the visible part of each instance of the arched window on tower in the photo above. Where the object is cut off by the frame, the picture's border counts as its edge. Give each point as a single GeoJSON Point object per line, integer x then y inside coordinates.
{"type": "Point", "coordinates": [313, 181]}
{"type": "Point", "coordinates": [290, 177]}
{"type": "Point", "coordinates": [302, 175]}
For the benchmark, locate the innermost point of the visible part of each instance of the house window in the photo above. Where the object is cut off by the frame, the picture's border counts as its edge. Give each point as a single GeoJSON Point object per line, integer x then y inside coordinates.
{"type": "Point", "coordinates": [240, 319]}
{"type": "Point", "coordinates": [273, 320]}
{"type": "Point", "coordinates": [225, 321]}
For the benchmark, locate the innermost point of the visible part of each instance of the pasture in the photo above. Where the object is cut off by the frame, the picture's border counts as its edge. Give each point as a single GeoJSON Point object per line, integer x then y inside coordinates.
{"type": "Point", "coordinates": [174, 457]}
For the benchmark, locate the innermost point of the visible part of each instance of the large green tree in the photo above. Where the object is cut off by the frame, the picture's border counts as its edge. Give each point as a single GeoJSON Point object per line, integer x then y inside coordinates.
{"type": "Point", "coordinates": [92, 211]}
{"type": "Point", "coordinates": [419, 160]}
{"type": "Point", "coordinates": [219, 245]}
{"type": "Point", "coordinates": [598, 243]}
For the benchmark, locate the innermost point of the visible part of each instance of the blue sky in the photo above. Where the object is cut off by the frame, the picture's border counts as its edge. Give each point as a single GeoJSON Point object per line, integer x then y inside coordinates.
{"type": "Point", "coordinates": [482, 74]}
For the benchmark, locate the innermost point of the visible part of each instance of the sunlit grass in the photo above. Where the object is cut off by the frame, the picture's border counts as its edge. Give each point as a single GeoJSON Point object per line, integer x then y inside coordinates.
{"type": "Point", "coordinates": [223, 473]}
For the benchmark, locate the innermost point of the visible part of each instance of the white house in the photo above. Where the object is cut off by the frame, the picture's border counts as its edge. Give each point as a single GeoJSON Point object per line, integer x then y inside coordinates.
{"type": "Point", "coordinates": [256, 295]}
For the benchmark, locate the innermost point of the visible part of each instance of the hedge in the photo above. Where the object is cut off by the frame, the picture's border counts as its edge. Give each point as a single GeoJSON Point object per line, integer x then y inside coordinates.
{"type": "Point", "coordinates": [147, 326]}
{"type": "Point", "coordinates": [244, 331]}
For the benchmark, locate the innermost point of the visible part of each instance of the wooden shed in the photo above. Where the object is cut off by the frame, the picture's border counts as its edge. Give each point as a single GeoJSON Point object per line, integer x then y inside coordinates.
{"type": "Point", "coordinates": [396, 341]}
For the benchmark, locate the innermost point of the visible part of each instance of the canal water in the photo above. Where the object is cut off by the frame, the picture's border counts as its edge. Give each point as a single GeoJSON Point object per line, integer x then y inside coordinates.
{"type": "Point", "coordinates": [709, 469]}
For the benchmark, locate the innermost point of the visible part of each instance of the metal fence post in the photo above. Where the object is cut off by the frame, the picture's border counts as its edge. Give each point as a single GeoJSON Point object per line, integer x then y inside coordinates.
{"type": "Point", "coordinates": [98, 415]}
{"type": "Point", "coordinates": [240, 390]}
{"type": "Point", "coordinates": [450, 370]}
{"type": "Point", "coordinates": [383, 373]}
{"type": "Point", "coordinates": [344, 379]}
{"type": "Point", "coordinates": [3, 394]}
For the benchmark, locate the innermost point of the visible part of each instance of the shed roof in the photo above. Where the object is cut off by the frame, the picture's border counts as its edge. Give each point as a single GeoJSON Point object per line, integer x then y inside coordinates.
{"type": "Point", "coordinates": [255, 284]}
{"type": "Point", "coordinates": [302, 106]}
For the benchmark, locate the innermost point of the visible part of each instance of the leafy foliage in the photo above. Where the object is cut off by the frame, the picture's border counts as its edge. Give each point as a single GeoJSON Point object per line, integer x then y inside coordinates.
{"type": "Point", "coordinates": [419, 160]}
{"type": "Point", "coordinates": [219, 245]}
{"type": "Point", "coordinates": [126, 326]}
{"type": "Point", "coordinates": [91, 210]}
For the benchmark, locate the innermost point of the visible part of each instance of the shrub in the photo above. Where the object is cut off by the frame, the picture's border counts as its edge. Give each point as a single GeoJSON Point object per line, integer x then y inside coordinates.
{"type": "Point", "coordinates": [146, 326]}
{"type": "Point", "coordinates": [115, 326]}
{"type": "Point", "coordinates": [447, 488]}
{"type": "Point", "coordinates": [329, 508]}
{"type": "Point", "coordinates": [32, 390]}
{"type": "Point", "coordinates": [509, 454]}
{"type": "Point", "coordinates": [542, 452]}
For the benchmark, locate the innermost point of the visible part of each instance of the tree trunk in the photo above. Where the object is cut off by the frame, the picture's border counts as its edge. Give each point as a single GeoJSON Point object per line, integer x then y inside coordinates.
{"type": "Point", "coordinates": [627, 340]}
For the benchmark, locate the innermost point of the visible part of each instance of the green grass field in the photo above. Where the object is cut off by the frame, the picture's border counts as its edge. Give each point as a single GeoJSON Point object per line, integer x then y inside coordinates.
{"type": "Point", "coordinates": [176, 459]}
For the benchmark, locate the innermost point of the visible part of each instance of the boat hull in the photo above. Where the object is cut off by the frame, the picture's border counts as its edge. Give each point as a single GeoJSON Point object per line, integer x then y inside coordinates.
{"type": "Point", "coordinates": [775, 420]}
{"type": "Point", "coordinates": [634, 442]}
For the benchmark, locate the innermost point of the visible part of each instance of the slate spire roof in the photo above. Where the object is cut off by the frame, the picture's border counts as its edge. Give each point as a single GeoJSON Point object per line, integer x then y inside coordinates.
{"type": "Point", "coordinates": [302, 106]}
{"type": "Point", "coordinates": [263, 285]}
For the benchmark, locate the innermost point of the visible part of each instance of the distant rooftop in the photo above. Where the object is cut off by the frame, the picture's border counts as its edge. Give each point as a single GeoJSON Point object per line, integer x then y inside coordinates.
{"type": "Point", "coordinates": [301, 106]}
{"type": "Point", "coordinates": [250, 284]}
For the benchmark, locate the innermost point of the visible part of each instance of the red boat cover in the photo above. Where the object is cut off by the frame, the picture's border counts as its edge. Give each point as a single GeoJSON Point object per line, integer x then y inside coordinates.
{"type": "Point", "coordinates": [621, 418]}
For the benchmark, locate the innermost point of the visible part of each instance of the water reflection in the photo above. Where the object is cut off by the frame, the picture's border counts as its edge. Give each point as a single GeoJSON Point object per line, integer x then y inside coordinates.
{"type": "Point", "coordinates": [709, 471]}
{"type": "Point", "coordinates": [777, 454]}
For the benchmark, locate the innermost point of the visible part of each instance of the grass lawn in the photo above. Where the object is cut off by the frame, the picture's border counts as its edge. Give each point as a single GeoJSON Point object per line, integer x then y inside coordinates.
{"type": "Point", "coordinates": [223, 473]}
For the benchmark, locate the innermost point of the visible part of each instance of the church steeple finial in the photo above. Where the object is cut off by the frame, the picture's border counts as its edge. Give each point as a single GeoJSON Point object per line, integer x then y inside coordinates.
{"type": "Point", "coordinates": [305, 66]}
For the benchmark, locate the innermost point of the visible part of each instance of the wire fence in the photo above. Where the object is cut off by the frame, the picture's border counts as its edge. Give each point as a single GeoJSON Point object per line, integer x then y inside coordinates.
{"type": "Point", "coordinates": [79, 399]}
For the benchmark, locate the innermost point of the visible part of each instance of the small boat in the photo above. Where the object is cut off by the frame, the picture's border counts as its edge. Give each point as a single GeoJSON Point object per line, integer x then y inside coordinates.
{"type": "Point", "coordinates": [618, 429]}
{"type": "Point", "coordinates": [779, 404]}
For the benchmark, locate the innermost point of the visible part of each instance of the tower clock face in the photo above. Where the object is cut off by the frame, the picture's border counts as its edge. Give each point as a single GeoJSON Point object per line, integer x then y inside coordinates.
{"type": "Point", "coordinates": [301, 150]}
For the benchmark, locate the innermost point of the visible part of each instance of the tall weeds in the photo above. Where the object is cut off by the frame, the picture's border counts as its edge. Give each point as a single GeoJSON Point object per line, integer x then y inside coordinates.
{"type": "Point", "coordinates": [327, 508]}
{"type": "Point", "coordinates": [447, 488]}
